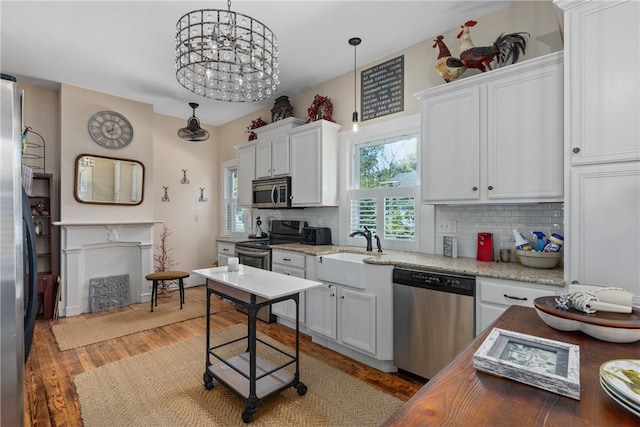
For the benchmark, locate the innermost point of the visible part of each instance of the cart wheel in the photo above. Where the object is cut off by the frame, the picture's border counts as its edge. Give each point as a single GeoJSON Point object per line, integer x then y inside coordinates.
{"type": "Point", "coordinates": [208, 381]}
{"type": "Point", "coordinates": [247, 415]}
{"type": "Point", "coordinates": [302, 389]}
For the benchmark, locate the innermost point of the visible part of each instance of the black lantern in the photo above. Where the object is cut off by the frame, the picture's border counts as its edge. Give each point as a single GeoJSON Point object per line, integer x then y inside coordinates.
{"type": "Point", "coordinates": [281, 109]}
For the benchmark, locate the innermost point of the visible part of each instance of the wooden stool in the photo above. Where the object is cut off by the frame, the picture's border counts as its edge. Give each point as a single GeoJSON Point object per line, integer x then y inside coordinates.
{"type": "Point", "coordinates": [166, 275]}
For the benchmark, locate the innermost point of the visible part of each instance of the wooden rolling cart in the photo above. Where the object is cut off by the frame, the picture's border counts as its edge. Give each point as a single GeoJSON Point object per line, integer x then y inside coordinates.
{"type": "Point", "coordinates": [252, 377]}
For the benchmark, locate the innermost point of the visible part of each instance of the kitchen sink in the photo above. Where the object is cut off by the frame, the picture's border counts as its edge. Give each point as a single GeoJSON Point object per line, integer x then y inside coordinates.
{"type": "Point", "coordinates": [343, 268]}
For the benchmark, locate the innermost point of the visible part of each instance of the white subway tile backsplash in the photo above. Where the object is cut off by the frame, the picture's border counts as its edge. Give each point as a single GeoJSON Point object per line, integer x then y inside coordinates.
{"type": "Point", "coordinates": [498, 220]}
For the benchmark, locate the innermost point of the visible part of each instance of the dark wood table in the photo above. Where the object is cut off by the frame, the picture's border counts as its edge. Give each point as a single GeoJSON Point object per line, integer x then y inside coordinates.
{"type": "Point", "coordinates": [461, 395]}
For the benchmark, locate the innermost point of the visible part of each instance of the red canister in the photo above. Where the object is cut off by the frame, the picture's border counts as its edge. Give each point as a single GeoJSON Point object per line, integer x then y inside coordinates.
{"type": "Point", "coordinates": [485, 247]}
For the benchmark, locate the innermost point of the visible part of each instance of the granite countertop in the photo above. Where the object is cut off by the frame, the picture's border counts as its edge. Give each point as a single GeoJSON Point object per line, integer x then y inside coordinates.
{"type": "Point", "coordinates": [470, 266]}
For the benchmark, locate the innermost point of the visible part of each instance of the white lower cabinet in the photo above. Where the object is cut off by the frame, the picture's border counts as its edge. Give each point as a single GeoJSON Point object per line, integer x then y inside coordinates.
{"type": "Point", "coordinates": [494, 296]}
{"type": "Point", "coordinates": [355, 322]}
{"type": "Point", "coordinates": [291, 264]}
{"type": "Point", "coordinates": [225, 250]}
{"type": "Point", "coordinates": [356, 311]}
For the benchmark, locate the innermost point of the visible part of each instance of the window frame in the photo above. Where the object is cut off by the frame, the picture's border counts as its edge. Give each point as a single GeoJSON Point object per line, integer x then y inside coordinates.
{"type": "Point", "coordinates": [228, 167]}
{"type": "Point", "coordinates": [379, 194]}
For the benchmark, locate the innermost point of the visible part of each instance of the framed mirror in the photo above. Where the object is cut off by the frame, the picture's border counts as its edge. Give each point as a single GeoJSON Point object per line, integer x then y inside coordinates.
{"type": "Point", "coordinates": [108, 180]}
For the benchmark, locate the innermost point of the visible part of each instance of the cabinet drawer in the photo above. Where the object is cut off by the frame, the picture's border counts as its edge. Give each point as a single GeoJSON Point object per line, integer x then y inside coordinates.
{"type": "Point", "coordinates": [504, 294]}
{"type": "Point", "coordinates": [227, 249]}
{"type": "Point", "coordinates": [291, 259]}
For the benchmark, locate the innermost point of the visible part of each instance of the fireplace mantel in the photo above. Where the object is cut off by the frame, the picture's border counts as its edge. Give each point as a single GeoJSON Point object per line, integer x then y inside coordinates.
{"type": "Point", "coordinates": [79, 237]}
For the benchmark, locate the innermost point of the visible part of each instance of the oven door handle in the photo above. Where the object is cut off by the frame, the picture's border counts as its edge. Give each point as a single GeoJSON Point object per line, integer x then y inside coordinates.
{"type": "Point", "coordinates": [252, 253]}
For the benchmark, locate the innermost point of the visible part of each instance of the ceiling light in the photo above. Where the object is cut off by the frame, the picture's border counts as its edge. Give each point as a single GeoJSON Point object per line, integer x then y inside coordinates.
{"type": "Point", "coordinates": [226, 56]}
{"type": "Point", "coordinates": [354, 41]}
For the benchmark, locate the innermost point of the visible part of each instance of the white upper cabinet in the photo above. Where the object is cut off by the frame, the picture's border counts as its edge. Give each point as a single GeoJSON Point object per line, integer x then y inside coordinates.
{"type": "Point", "coordinates": [272, 157]}
{"type": "Point", "coordinates": [496, 136]}
{"type": "Point", "coordinates": [603, 112]}
{"type": "Point", "coordinates": [246, 155]}
{"type": "Point", "coordinates": [272, 149]}
{"type": "Point", "coordinates": [314, 164]}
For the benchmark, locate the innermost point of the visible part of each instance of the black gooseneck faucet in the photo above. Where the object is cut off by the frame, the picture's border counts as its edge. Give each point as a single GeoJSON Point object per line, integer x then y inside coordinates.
{"type": "Point", "coordinates": [367, 235]}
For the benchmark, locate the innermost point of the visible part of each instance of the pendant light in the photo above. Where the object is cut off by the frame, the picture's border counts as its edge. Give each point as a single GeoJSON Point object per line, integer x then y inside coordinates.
{"type": "Point", "coordinates": [355, 41]}
{"type": "Point", "coordinates": [226, 56]}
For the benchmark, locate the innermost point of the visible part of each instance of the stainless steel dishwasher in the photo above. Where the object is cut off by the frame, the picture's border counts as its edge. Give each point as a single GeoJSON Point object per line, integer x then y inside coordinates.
{"type": "Point", "coordinates": [433, 319]}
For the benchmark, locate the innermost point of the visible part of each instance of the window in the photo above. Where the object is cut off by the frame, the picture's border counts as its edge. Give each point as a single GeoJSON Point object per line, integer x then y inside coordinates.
{"type": "Point", "coordinates": [384, 189]}
{"type": "Point", "coordinates": [234, 218]}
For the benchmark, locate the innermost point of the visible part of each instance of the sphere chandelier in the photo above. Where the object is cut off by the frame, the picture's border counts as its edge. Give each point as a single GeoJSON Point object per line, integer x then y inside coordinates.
{"type": "Point", "coordinates": [226, 56]}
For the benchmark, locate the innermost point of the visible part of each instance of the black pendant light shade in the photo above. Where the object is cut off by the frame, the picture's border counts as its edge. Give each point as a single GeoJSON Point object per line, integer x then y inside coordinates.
{"type": "Point", "coordinates": [193, 131]}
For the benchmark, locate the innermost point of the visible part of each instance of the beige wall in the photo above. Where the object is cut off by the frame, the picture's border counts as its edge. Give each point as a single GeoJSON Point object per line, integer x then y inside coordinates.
{"type": "Point", "coordinates": [539, 18]}
{"type": "Point", "coordinates": [194, 224]}
{"type": "Point", "coordinates": [77, 105]}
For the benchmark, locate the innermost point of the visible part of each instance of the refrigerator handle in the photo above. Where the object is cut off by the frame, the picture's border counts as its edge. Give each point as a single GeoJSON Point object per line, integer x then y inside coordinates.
{"type": "Point", "coordinates": [31, 291]}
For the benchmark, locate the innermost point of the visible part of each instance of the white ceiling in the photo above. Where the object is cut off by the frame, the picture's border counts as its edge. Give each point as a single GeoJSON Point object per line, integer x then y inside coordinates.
{"type": "Point", "coordinates": [125, 48]}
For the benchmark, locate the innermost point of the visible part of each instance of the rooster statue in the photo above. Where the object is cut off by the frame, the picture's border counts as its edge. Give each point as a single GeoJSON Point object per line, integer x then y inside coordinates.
{"type": "Point", "coordinates": [449, 67]}
{"type": "Point", "coordinates": [506, 46]}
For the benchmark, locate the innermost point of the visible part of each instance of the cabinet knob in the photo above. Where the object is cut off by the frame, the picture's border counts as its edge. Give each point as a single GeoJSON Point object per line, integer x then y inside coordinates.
{"type": "Point", "coordinates": [342, 297]}
{"type": "Point", "coordinates": [576, 150]}
{"type": "Point", "coordinates": [475, 188]}
{"type": "Point", "coordinates": [575, 282]}
{"type": "Point", "coordinates": [332, 295]}
{"type": "Point", "coordinates": [490, 187]}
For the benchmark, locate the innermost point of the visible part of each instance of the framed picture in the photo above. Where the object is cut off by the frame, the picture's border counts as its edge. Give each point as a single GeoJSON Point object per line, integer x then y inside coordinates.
{"type": "Point", "coordinates": [539, 362]}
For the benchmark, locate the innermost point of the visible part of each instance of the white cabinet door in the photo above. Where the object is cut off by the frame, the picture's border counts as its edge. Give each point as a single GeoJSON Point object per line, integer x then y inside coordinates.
{"type": "Point", "coordinates": [601, 46]}
{"type": "Point", "coordinates": [272, 157]}
{"type": "Point", "coordinates": [451, 156]}
{"type": "Point", "coordinates": [321, 311]}
{"type": "Point", "coordinates": [314, 157]}
{"type": "Point", "coordinates": [605, 225]}
{"type": "Point", "coordinates": [280, 156]}
{"type": "Point", "coordinates": [357, 320]}
{"type": "Point", "coordinates": [495, 137]}
{"type": "Point", "coordinates": [287, 308]}
{"type": "Point", "coordinates": [246, 173]}
{"type": "Point", "coordinates": [524, 135]}
{"type": "Point", "coordinates": [306, 176]}
{"type": "Point", "coordinates": [263, 160]}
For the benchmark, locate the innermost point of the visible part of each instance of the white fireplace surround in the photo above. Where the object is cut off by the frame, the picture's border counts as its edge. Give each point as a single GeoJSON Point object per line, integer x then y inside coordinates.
{"type": "Point", "coordinates": [79, 238]}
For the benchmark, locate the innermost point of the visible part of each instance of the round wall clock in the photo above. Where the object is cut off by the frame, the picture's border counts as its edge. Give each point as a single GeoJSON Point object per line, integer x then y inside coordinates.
{"type": "Point", "coordinates": [110, 129]}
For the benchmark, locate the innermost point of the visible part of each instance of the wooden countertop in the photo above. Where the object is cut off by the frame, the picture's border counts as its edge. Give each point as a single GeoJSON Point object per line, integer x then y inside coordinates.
{"type": "Point", "coordinates": [263, 283]}
{"type": "Point", "coordinates": [459, 395]}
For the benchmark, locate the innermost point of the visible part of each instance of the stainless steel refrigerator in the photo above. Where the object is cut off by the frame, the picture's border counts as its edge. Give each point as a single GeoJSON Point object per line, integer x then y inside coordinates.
{"type": "Point", "coordinates": [18, 269]}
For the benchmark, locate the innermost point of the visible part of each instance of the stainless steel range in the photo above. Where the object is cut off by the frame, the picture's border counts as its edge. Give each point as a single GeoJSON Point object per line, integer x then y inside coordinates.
{"type": "Point", "coordinates": [257, 253]}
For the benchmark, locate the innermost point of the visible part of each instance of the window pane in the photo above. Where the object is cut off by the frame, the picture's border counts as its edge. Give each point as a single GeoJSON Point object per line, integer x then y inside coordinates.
{"type": "Point", "coordinates": [388, 163]}
{"type": "Point", "coordinates": [399, 218]}
{"type": "Point", "coordinates": [363, 213]}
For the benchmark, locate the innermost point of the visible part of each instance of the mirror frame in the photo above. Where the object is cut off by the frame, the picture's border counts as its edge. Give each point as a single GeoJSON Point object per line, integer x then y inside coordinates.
{"type": "Point", "coordinates": [77, 170]}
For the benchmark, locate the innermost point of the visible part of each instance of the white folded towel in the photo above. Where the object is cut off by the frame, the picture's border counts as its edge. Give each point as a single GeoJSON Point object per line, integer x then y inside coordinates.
{"type": "Point", "coordinates": [590, 299]}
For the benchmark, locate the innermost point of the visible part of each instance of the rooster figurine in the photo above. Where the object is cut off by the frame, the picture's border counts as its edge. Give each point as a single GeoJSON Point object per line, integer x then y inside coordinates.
{"type": "Point", "coordinates": [506, 46]}
{"type": "Point", "coordinates": [449, 67]}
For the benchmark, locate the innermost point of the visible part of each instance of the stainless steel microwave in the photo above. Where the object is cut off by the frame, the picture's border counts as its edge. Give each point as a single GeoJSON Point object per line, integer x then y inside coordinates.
{"type": "Point", "coordinates": [272, 193]}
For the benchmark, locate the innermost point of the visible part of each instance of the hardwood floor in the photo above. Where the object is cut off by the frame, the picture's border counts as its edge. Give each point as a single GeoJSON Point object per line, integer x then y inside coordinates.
{"type": "Point", "coordinates": [50, 396]}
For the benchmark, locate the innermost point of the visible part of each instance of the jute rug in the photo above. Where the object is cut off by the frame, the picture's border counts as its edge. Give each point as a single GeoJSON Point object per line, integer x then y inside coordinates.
{"type": "Point", "coordinates": [97, 329]}
{"type": "Point", "coordinates": [164, 387]}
